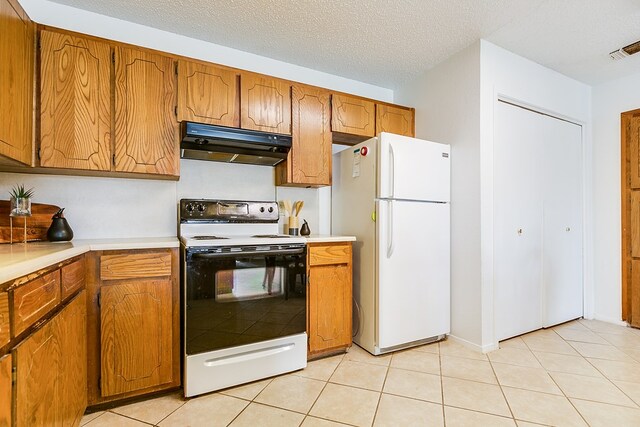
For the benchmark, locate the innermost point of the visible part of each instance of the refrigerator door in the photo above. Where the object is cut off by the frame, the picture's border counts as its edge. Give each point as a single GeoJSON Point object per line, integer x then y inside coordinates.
{"type": "Point", "coordinates": [413, 294]}
{"type": "Point", "coordinates": [412, 169]}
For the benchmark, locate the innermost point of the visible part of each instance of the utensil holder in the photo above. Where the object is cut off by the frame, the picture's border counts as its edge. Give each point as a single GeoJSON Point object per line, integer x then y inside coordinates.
{"type": "Point", "coordinates": [294, 226]}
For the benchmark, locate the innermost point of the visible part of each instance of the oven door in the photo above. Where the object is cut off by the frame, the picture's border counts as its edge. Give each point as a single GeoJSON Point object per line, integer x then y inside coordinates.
{"type": "Point", "coordinates": [243, 295]}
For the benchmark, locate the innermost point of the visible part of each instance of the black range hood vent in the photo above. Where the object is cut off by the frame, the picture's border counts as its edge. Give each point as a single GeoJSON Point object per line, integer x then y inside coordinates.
{"type": "Point", "coordinates": [231, 145]}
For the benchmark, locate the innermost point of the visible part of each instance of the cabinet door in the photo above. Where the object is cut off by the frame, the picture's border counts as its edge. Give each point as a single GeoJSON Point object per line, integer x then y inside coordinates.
{"type": "Point", "coordinates": [16, 82]}
{"type": "Point", "coordinates": [72, 333]}
{"type": "Point", "coordinates": [309, 161]}
{"type": "Point", "coordinates": [329, 307]}
{"type": "Point", "coordinates": [207, 94]}
{"type": "Point", "coordinates": [394, 120]}
{"type": "Point", "coordinates": [146, 134]}
{"type": "Point", "coordinates": [6, 384]}
{"type": "Point", "coordinates": [265, 104]}
{"type": "Point", "coordinates": [352, 115]}
{"type": "Point", "coordinates": [75, 100]}
{"type": "Point", "coordinates": [136, 335]}
{"type": "Point", "coordinates": [38, 362]}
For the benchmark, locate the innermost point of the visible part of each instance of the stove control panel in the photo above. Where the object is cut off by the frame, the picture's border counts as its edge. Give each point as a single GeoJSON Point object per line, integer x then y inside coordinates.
{"type": "Point", "coordinates": [230, 211]}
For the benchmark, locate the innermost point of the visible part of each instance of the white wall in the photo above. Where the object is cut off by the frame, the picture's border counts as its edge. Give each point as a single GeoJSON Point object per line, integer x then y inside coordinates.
{"type": "Point", "coordinates": [447, 102]}
{"type": "Point", "coordinates": [115, 207]}
{"type": "Point", "coordinates": [609, 100]}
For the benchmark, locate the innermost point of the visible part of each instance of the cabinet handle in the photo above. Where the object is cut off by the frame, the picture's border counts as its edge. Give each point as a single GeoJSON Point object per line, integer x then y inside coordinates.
{"type": "Point", "coordinates": [519, 231]}
{"type": "Point", "coordinates": [568, 229]}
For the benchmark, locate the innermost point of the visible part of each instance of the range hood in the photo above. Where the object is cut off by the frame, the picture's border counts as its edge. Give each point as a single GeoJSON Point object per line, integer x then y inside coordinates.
{"type": "Point", "coordinates": [231, 145]}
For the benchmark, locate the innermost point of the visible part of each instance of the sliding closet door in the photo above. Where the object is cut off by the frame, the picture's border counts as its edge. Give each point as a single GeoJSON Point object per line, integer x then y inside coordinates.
{"type": "Point", "coordinates": [562, 223]}
{"type": "Point", "coordinates": [517, 222]}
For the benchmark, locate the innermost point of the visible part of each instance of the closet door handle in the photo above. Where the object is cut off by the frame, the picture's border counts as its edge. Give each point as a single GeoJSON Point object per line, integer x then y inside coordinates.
{"type": "Point", "coordinates": [519, 231]}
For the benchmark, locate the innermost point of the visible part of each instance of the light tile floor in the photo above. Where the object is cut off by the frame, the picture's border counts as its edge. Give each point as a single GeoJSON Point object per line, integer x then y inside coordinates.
{"type": "Point", "coordinates": [576, 374]}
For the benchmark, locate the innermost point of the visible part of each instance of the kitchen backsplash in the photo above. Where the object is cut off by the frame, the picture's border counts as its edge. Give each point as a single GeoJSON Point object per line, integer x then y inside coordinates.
{"type": "Point", "coordinates": [117, 207]}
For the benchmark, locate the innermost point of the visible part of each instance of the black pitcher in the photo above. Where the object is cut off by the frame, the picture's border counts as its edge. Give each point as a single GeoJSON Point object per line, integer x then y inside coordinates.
{"type": "Point", "coordinates": [59, 231]}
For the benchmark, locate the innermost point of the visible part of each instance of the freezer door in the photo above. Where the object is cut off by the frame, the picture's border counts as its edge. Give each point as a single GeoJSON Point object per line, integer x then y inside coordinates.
{"type": "Point", "coordinates": [413, 295]}
{"type": "Point", "coordinates": [413, 169]}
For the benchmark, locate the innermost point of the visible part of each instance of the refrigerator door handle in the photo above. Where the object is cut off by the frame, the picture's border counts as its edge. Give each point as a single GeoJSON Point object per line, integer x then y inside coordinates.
{"type": "Point", "coordinates": [390, 230]}
{"type": "Point", "coordinates": [392, 171]}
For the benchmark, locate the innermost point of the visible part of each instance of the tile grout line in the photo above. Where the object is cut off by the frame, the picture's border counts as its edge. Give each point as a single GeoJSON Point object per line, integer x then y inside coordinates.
{"type": "Point", "coordinates": [504, 396]}
{"type": "Point", "coordinates": [386, 374]}
{"type": "Point", "coordinates": [612, 382]}
{"type": "Point", "coordinates": [444, 416]}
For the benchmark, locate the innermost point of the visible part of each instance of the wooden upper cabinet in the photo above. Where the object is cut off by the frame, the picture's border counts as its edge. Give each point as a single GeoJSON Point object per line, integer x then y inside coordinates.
{"type": "Point", "coordinates": [75, 102]}
{"type": "Point", "coordinates": [632, 132]}
{"type": "Point", "coordinates": [265, 104]}
{"type": "Point", "coordinates": [16, 82]}
{"type": "Point", "coordinates": [146, 132]}
{"type": "Point", "coordinates": [208, 94]}
{"type": "Point", "coordinates": [353, 116]}
{"type": "Point", "coordinates": [394, 120]}
{"type": "Point", "coordinates": [309, 161]}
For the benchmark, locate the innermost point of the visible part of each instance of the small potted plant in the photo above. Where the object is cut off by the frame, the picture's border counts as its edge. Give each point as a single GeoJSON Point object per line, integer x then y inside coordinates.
{"type": "Point", "coordinates": [21, 200]}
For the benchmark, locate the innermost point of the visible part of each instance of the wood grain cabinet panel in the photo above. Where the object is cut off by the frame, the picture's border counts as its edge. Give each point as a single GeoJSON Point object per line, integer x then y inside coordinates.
{"type": "Point", "coordinates": [208, 94]}
{"type": "Point", "coordinates": [146, 132]}
{"type": "Point", "coordinates": [17, 34]}
{"type": "Point", "coordinates": [136, 336]}
{"type": "Point", "coordinates": [353, 116]}
{"type": "Point", "coordinates": [633, 136]}
{"type": "Point", "coordinates": [330, 254]}
{"type": "Point", "coordinates": [135, 265]}
{"type": "Point", "coordinates": [75, 102]}
{"type": "Point", "coordinates": [72, 277]}
{"type": "Point", "coordinates": [35, 299]}
{"type": "Point", "coordinates": [265, 104]}
{"type": "Point", "coordinates": [5, 333]}
{"type": "Point", "coordinates": [394, 120]}
{"type": "Point", "coordinates": [309, 160]}
{"type": "Point", "coordinates": [6, 385]}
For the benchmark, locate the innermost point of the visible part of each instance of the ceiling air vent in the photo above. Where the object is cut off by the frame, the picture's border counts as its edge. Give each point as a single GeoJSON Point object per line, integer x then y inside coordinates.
{"type": "Point", "coordinates": [625, 51]}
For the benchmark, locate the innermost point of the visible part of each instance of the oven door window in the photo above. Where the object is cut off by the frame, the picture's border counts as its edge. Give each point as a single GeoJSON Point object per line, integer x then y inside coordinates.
{"type": "Point", "coordinates": [241, 299]}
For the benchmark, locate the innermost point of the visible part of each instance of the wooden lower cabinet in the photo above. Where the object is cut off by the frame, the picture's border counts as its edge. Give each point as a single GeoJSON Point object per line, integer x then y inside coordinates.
{"type": "Point", "coordinates": [51, 380]}
{"type": "Point", "coordinates": [329, 297]}
{"type": "Point", "coordinates": [6, 386]}
{"type": "Point", "coordinates": [134, 338]}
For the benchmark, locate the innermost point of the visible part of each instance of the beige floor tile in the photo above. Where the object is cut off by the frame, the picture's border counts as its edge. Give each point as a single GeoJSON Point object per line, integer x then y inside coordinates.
{"type": "Point", "coordinates": [319, 422]}
{"type": "Point", "coordinates": [291, 392]}
{"type": "Point", "coordinates": [581, 336]}
{"type": "Point", "coordinates": [574, 324]}
{"type": "Point", "coordinates": [468, 369]}
{"type": "Point", "coordinates": [456, 417]}
{"type": "Point", "coordinates": [453, 348]}
{"type": "Point", "coordinates": [633, 353]}
{"type": "Point", "coordinates": [109, 419]}
{"type": "Point", "coordinates": [475, 396]}
{"type": "Point", "coordinates": [153, 410]}
{"type": "Point", "coordinates": [542, 408]}
{"type": "Point", "coordinates": [527, 424]}
{"type": "Point", "coordinates": [337, 403]}
{"type": "Point", "coordinates": [598, 326]}
{"type": "Point", "coordinates": [599, 351]}
{"type": "Point", "coordinates": [412, 384]}
{"type": "Point", "coordinates": [618, 370]}
{"type": "Point", "coordinates": [527, 378]}
{"type": "Point", "coordinates": [358, 354]}
{"type": "Point", "coordinates": [590, 388]}
{"type": "Point", "coordinates": [564, 363]}
{"type": "Point", "coordinates": [543, 333]}
{"type": "Point", "coordinates": [399, 411]}
{"type": "Point", "coordinates": [516, 342]}
{"type": "Point", "coordinates": [514, 356]}
{"type": "Point", "coordinates": [90, 417]}
{"type": "Point", "coordinates": [320, 369]}
{"type": "Point", "coordinates": [628, 339]}
{"type": "Point", "coordinates": [416, 361]}
{"type": "Point", "coordinates": [630, 389]}
{"type": "Point", "coordinates": [429, 348]}
{"type": "Point", "coordinates": [257, 415]}
{"type": "Point", "coordinates": [247, 391]}
{"type": "Point", "coordinates": [210, 410]}
{"type": "Point", "coordinates": [536, 343]}
{"type": "Point", "coordinates": [603, 415]}
{"type": "Point", "coordinates": [358, 374]}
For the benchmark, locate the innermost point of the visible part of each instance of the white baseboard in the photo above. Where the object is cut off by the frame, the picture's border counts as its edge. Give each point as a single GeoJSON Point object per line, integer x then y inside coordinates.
{"type": "Point", "coordinates": [610, 320]}
{"type": "Point", "coordinates": [473, 346]}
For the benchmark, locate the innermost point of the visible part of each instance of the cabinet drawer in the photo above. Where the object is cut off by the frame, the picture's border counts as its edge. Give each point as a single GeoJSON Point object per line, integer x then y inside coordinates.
{"type": "Point", "coordinates": [72, 277]}
{"type": "Point", "coordinates": [330, 254]}
{"type": "Point", "coordinates": [35, 299]}
{"type": "Point", "coordinates": [4, 318]}
{"type": "Point", "coordinates": [132, 266]}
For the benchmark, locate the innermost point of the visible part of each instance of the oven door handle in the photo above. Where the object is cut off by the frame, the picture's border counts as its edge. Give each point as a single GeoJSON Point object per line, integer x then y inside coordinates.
{"type": "Point", "coordinates": [242, 253]}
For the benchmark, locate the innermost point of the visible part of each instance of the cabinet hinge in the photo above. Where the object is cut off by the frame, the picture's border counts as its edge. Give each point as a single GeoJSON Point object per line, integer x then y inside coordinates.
{"type": "Point", "coordinates": [113, 159]}
{"type": "Point", "coordinates": [100, 384]}
{"type": "Point", "coordinates": [14, 375]}
{"type": "Point", "coordinates": [175, 110]}
{"type": "Point", "coordinates": [99, 299]}
{"type": "Point", "coordinates": [39, 153]}
{"type": "Point", "coordinates": [113, 56]}
{"type": "Point", "coordinates": [175, 67]}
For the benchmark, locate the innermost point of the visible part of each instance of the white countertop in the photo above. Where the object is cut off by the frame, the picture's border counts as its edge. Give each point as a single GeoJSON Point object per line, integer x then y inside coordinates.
{"type": "Point", "coordinates": [328, 238]}
{"type": "Point", "coordinates": [19, 259]}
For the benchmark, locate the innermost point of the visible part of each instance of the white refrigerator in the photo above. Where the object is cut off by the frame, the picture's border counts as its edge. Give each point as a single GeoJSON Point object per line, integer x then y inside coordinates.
{"type": "Point", "coordinates": [392, 192]}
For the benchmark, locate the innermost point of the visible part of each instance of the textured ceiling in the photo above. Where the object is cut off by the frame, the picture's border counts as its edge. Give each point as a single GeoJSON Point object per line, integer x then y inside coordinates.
{"type": "Point", "coordinates": [386, 42]}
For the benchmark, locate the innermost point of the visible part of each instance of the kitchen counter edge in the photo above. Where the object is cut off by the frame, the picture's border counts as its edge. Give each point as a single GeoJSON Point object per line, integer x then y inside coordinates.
{"type": "Point", "coordinates": [19, 259]}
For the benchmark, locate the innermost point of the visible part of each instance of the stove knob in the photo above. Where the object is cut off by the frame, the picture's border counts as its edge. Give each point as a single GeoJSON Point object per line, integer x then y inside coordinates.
{"type": "Point", "coordinates": [201, 208]}
{"type": "Point", "coordinates": [270, 209]}
{"type": "Point", "coordinates": [261, 208]}
{"type": "Point", "coordinates": [189, 207]}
